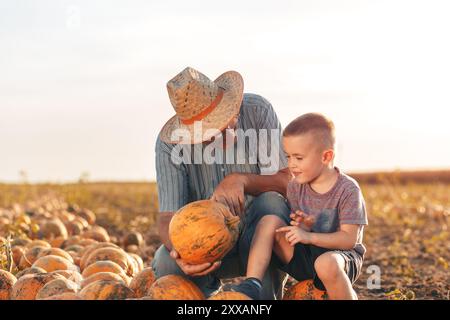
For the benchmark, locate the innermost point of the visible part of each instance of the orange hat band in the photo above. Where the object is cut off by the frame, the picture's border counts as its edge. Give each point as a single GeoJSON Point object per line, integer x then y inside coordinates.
{"type": "Point", "coordinates": [206, 111]}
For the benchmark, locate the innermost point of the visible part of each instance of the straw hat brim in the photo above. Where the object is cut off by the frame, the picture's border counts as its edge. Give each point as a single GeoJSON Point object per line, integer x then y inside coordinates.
{"type": "Point", "coordinates": [218, 119]}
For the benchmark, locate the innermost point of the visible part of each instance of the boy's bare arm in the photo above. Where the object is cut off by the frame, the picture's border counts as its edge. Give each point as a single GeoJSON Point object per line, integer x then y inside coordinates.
{"type": "Point", "coordinates": [344, 239]}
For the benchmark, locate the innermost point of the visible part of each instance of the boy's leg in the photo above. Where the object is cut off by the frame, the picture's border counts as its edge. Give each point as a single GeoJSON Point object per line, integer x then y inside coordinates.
{"type": "Point", "coordinates": [266, 203]}
{"type": "Point", "coordinates": [262, 246]}
{"type": "Point", "coordinates": [333, 269]}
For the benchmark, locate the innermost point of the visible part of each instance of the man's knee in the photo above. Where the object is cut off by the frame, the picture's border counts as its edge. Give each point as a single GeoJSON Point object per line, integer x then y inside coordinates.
{"type": "Point", "coordinates": [270, 202]}
{"type": "Point", "coordinates": [163, 264]}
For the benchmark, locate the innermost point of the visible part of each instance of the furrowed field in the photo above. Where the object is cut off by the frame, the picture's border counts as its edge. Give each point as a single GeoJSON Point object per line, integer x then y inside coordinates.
{"type": "Point", "coordinates": [407, 240]}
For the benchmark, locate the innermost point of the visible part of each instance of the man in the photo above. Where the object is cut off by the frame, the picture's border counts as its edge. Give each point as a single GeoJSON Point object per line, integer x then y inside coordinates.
{"type": "Point", "coordinates": [211, 114]}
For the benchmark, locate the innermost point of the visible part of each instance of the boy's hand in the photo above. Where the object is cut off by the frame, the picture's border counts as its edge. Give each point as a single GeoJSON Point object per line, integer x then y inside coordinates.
{"type": "Point", "coordinates": [302, 220]}
{"type": "Point", "coordinates": [295, 235]}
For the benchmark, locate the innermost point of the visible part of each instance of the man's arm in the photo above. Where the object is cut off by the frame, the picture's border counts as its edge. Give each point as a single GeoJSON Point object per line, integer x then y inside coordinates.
{"type": "Point", "coordinates": [163, 221]}
{"type": "Point", "coordinates": [233, 187]}
{"type": "Point", "coordinates": [255, 184]}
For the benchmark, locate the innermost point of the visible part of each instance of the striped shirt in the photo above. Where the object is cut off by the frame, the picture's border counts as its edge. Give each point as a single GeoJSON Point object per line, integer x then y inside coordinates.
{"type": "Point", "coordinates": [182, 183]}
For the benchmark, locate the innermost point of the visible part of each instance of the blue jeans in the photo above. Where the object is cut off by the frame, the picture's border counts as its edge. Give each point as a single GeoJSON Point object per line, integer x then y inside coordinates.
{"type": "Point", "coordinates": [234, 264]}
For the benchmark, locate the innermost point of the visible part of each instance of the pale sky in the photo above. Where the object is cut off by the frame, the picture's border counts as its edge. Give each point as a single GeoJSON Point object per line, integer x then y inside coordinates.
{"type": "Point", "coordinates": [83, 83]}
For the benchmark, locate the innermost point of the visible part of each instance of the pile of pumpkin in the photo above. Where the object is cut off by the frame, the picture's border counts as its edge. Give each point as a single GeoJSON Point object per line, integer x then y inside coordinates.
{"type": "Point", "coordinates": [59, 253]}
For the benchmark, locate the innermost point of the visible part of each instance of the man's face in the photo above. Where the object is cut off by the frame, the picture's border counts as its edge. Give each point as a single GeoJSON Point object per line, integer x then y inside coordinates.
{"type": "Point", "coordinates": [304, 158]}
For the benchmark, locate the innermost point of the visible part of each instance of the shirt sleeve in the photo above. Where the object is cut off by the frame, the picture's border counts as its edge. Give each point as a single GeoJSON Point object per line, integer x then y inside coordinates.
{"type": "Point", "coordinates": [352, 208]}
{"type": "Point", "coordinates": [271, 158]}
{"type": "Point", "coordinates": [171, 178]}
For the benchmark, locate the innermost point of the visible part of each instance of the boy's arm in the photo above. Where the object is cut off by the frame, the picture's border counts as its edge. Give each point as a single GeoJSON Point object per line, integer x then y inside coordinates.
{"type": "Point", "coordinates": [344, 239]}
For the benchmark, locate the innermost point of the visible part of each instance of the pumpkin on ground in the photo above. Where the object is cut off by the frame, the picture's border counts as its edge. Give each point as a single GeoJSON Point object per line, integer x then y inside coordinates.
{"type": "Point", "coordinates": [229, 295]}
{"type": "Point", "coordinates": [102, 276]}
{"type": "Point", "coordinates": [92, 247]}
{"type": "Point", "coordinates": [203, 231]}
{"type": "Point", "coordinates": [305, 290]}
{"type": "Point", "coordinates": [55, 252]}
{"type": "Point", "coordinates": [72, 275]}
{"type": "Point", "coordinates": [64, 296]}
{"type": "Point", "coordinates": [106, 290]}
{"type": "Point", "coordinates": [174, 287]}
{"type": "Point", "coordinates": [27, 287]}
{"type": "Point", "coordinates": [133, 238]}
{"type": "Point", "coordinates": [55, 287]}
{"type": "Point", "coordinates": [30, 256]}
{"type": "Point", "coordinates": [97, 233]}
{"type": "Point", "coordinates": [51, 263]}
{"type": "Point", "coordinates": [105, 266]}
{"type": "Point", "coordinates": [7, 281]}
{"type": "Point", "coordinates": [116, 255]}
{"type": "Point", "coordinates": [142, 282]}
{"type": "Point", "coordinates": [29, 270]}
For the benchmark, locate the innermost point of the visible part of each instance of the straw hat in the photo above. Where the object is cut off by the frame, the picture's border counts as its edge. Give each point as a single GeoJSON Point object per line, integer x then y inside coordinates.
{"type": "Point", "coordinates": [198, 101]}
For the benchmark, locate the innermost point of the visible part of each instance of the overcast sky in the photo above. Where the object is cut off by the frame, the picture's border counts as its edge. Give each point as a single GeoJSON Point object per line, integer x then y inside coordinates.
{"type": "Point", "coordinates": [83, 83]}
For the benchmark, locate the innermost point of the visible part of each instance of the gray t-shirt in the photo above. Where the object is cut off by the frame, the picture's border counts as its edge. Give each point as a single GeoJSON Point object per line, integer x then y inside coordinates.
{"type": "Point", "coordinates": [342, 204]}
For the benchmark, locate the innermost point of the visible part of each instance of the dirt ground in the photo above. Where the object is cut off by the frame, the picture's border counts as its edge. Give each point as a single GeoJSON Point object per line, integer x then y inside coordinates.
{"type": "Point", "coordinates": [407, 240]}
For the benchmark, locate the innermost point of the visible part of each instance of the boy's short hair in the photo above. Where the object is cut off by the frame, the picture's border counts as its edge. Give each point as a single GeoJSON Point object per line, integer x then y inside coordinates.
{"type": "Point", "coordinates": [315, 123]}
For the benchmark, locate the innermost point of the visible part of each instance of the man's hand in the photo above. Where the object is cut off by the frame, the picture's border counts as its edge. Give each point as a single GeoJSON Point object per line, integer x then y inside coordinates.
{"type": "Point", "coordinates": [295, 235]}
{"type": "Point", "coordinates": [230, 192]}
{"type": "Point", "coordinates": [194, 270]}
{"type": "Point", "coordinates": [302, 220]}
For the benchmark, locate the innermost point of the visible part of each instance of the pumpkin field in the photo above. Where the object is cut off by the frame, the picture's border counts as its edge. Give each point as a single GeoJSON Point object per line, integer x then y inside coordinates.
{"type": "Point", "coordinates": [97, 240]}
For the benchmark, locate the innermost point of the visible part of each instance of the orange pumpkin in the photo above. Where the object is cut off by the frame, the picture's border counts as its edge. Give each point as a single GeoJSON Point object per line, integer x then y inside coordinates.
{"type": "Point", "coordinates": [64, 296]}
{"type": "Point", "coordinates": [7, 281]}
{"type": "Point", "coordinates": [106, 290]}
{"type": "Point", "coordinates": [174, 287]}
{"type": "Point", "coordinates": [55, 287]}
{"type": "Point", "coordinates": [142, 282]}
{"type": "Point", "coordinates": [88, 215]}
{"type": "Point", "coordinates": [229, 295]}
{"type": "Point", "coordinates": [116, 255]}
{"type": "Point", "coordinates": [27, 287]}
{"type": "Point", "coordinates": [133, 238]}
{"type": "Point", "coordinates": [101, 276]}
{"type": "Point", "coordinates": [30, 256]}
{"type": "Point", "coordinates": [305, 290]}
{"type": "Point", "coordinates": [105, 266]}
{"type": "Point", "coordinates": [74, 227]}
{"type": "Point", "coordinates": [55, 252]}
{"type": "Point", "coordinates": [40, 243]}
{"type": "Point", "coordinates": [97, 234]}
{"type": "Point", "coordinates": [73, 240]}
{"type": "Point", "coordinates": [53, 229]}
{"type": "Point", "coordinates": [57, 242]}
{"type": "Point", "coordinates": [89, 249]}
{"type": "Point", "coordinates": [30, 270]}
{"type": "Point", "coordinates": [203, 231]}
{"type": "Point", "coordinates": [140, 262]}
{"type": "Point", "coordinates": [72, 275]}
{"type": "Point", "coordinates": [51, 263]}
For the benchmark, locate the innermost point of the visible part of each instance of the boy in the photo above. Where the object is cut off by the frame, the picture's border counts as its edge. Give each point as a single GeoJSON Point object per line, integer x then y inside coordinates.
{"type": "Point", "coordinates": [324, 239]}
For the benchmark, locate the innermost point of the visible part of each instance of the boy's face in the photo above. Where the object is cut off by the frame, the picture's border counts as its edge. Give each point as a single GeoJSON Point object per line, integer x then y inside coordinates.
{"type": "Point", "coordinates": [305, 159]}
